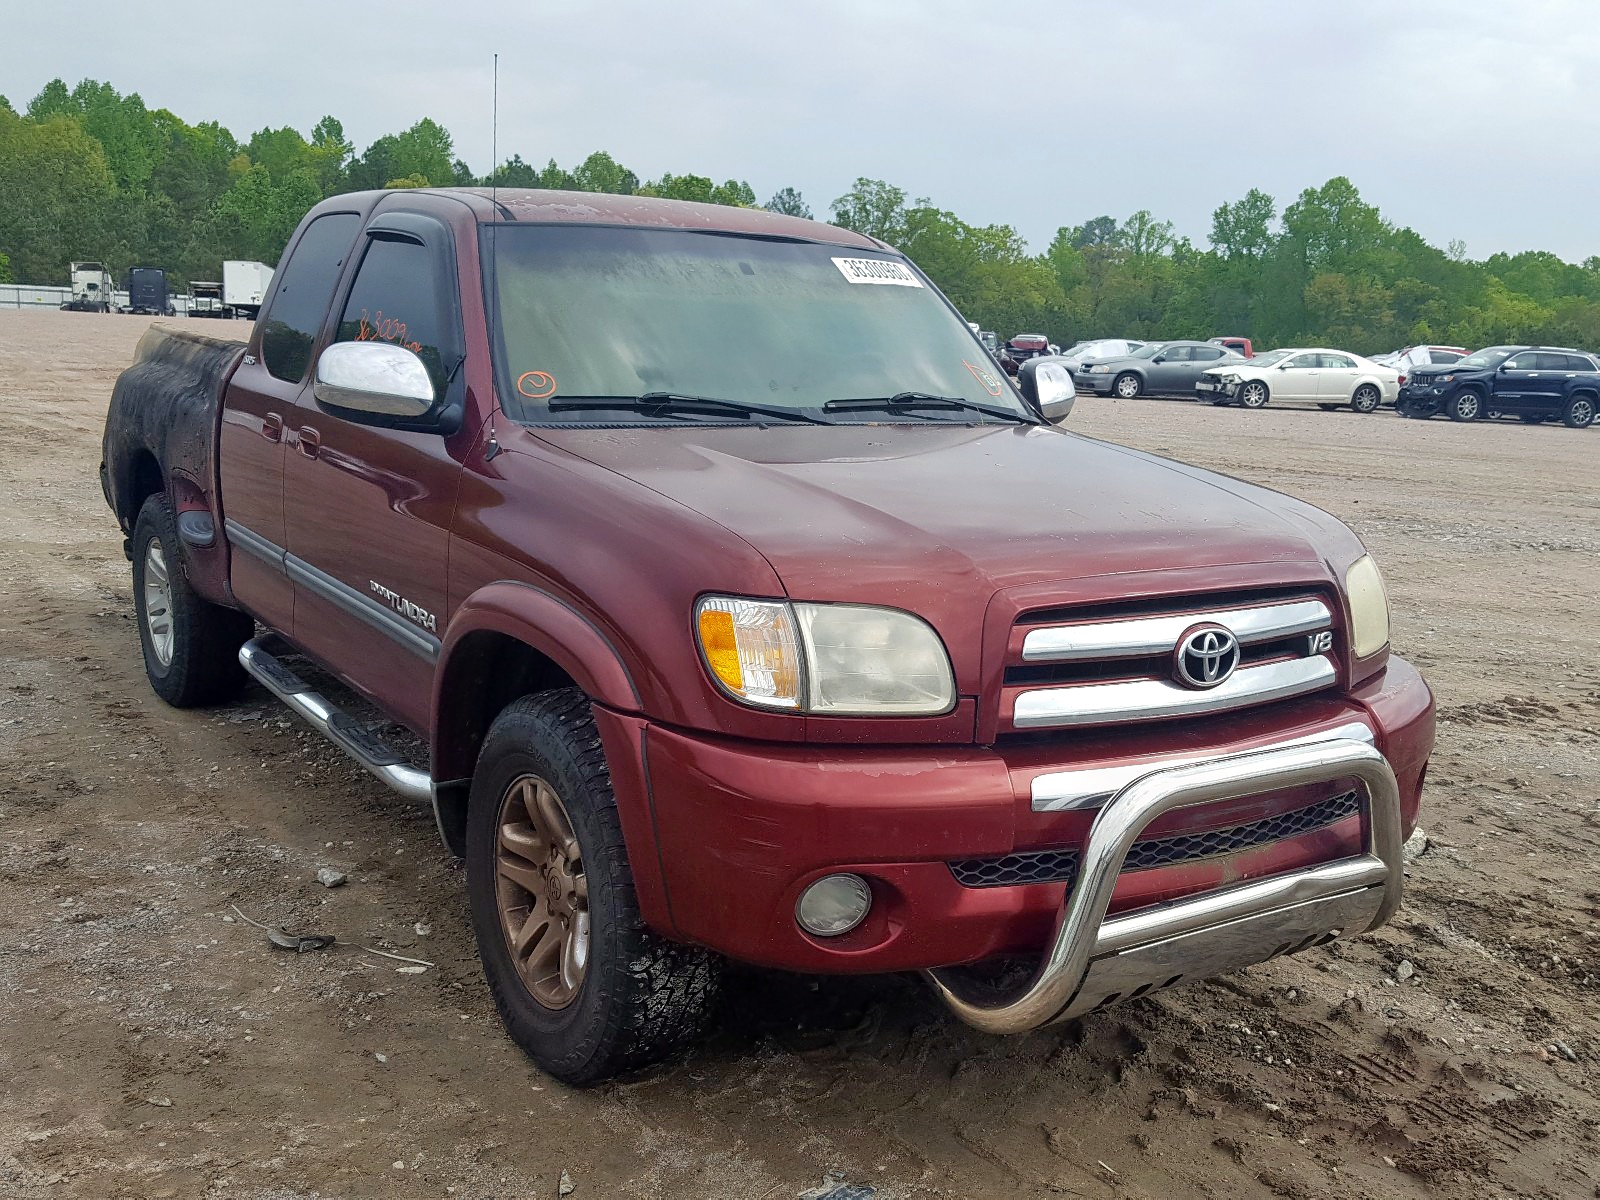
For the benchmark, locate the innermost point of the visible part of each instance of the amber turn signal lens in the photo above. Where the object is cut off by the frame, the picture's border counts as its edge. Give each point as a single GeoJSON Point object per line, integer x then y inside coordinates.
{"type": "Point", "coordinates": [721, 647]}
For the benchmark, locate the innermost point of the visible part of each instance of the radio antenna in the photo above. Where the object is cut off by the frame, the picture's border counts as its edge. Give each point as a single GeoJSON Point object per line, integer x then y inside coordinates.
{"type": "Point", "coordinates": [494, 216]}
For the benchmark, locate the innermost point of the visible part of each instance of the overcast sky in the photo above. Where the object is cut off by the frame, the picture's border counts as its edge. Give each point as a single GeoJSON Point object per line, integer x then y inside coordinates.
{"type": "Point", "coordinates": [1460, 118]}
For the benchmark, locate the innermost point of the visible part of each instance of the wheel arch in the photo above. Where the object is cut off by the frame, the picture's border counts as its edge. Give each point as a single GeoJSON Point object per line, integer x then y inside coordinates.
{"type": "Point", "coordinates": [506, 640]}
{"type": "Point", "coordinates": [140, 478]}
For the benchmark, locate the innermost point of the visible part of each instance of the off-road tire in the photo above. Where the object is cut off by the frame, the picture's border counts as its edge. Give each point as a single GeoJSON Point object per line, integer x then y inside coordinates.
{"type": "Point", "coordinates": [203, 668]}
{"type": "Point", "coordinates": [1579, 412]}
{"type": "Point", "coordinates": [641, 997]}
{"type": "Point", "coordinates": [1254, 394]}
{"type": "Point", "coordinates": [1127, 386]}
{"type": "Point", "coordinates": [1365, 399]}
{"type": "Point", "coordinates": [1465, 405]}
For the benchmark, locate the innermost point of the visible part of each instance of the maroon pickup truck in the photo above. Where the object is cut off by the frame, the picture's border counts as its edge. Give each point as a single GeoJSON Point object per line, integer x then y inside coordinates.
{"type": "Point", "coordinates": [829, 652]}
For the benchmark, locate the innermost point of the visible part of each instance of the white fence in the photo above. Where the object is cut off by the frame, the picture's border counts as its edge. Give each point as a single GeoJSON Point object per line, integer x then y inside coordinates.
{"type": "Point", "coordinates": [28, 295]}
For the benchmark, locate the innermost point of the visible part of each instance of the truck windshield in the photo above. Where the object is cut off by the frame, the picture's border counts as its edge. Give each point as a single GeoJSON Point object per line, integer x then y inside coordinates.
{"type": "Point", "coordinates": [602, 312]}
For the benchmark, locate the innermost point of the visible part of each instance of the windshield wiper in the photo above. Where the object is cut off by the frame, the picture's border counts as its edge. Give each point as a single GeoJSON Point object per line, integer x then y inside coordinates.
{"type": "Point", "coordinates": [908, 401]}
{"type": "Point", "coordinates": [661, 404]}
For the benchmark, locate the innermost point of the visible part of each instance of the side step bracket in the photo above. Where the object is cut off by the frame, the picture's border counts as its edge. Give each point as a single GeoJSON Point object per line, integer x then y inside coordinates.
{"type": "Point", "coordinates": [359, 742]}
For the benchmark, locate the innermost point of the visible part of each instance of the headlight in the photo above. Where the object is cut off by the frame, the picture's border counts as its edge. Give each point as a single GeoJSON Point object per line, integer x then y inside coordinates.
{"type": "Point", "coordinates": [1369, 607]}
{"type": "Point", "coordinates": [1099, 370]}
{"type": "Point", "coordinates": [1446, 379]}
{"type": "Point", "coordinates": [833, 659]}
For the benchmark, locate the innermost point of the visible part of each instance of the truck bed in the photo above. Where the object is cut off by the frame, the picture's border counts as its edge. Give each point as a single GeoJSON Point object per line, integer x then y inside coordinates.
{"type": "Point", "coordinates": [164, 412]}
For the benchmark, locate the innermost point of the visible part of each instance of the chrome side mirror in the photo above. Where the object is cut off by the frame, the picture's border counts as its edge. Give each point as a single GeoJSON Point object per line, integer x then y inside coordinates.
{"type": "Point", "coordinates": [1050, 388]}
{"type": "Point", "coordinates": [374, 377]}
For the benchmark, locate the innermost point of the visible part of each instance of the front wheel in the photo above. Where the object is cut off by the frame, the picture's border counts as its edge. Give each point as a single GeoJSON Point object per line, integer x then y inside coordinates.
{"type": "Point", "coordinates": [1465, 406]}
{"type": "Point", "coordinates": [1128, 385]}
{"type": "Point", "coordinates": [581, 984]}
{"type": "Point", "coordinates": [1365, 399]}
{"type": "Point", "coordinates": [191, 646]}
{"type": "Point", "coordinates": [1254, 394]}
{"type": "Point", "coordinates": [1579, 413]}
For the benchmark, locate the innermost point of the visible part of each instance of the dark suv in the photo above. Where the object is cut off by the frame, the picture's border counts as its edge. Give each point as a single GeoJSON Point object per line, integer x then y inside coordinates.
{"type": "Point", "coordinates": [1535, 383]}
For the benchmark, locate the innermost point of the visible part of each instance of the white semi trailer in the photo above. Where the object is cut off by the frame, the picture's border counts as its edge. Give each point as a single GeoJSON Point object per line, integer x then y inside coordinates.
{"type": "Point", "coordinates": [244, 287]}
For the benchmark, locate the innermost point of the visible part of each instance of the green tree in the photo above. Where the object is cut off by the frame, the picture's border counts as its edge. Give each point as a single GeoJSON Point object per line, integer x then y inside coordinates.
{"type": "Point", "coordinates": [681, 187]}
{"type": "Point", "coordinates": [790, 203]}
{"type": "Point", "coordinates": [602, 173]}
{"type": "Point", "coordinates": [1243, 229]}
{"type": "Point", "coordinates": [874, 208]}
{"type": "Point", "coordinates": [55, 191]}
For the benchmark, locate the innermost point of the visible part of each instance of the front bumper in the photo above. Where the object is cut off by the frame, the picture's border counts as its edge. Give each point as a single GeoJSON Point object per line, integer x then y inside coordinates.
{"type": "Point", "coordinates": [1097, 385]}
{"type": "Point", "coordinates": [1207, 388]}
{"type": "Point", "coordinates": [740, 829]}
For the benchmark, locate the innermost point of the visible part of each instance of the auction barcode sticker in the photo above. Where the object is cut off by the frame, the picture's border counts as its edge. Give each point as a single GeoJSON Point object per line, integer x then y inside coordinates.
{"type": "Point", "coordinates": [876, 270]}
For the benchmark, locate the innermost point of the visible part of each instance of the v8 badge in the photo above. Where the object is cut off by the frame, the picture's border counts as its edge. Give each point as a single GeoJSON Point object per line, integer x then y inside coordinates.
{"type": "Point", "coordinates": [1320, 643]}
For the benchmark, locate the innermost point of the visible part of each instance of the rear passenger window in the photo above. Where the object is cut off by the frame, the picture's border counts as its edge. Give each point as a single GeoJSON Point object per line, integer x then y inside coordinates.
{"type": "Point", "coordinates": [1207, 353]}
{"type": "Point", "coordinates": [397, 298]}
{"type": "Point", "coordinates": [300, 301]}
{"type": "Point", "coordinates": [1336, 362]}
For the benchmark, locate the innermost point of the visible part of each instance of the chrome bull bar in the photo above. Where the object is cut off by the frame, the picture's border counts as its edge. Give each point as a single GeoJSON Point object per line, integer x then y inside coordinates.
{"type": "Point", "coordinates": [1094, 961]}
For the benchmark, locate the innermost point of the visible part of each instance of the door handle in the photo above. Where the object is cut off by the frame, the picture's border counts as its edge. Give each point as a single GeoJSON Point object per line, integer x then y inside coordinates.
{"type": "Point", "coordinates": [310, 441]}
{"type": "Point", "coordinates": [272, 427]}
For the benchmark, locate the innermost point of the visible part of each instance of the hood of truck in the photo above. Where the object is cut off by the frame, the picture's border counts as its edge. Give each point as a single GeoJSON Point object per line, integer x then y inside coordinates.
{"type": "Point", "coordinates": [880, 514]}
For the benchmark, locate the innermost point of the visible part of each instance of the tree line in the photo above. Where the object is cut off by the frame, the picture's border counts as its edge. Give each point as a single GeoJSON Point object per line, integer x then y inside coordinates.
{"type": "Point", "coordinates": [89, 173]}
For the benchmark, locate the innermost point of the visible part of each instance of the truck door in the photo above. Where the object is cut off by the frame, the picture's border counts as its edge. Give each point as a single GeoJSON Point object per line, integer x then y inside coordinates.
{"type": "Point", "coordinates": [259, 399]}
{"type": "Point", "coordinates": [369, 506]}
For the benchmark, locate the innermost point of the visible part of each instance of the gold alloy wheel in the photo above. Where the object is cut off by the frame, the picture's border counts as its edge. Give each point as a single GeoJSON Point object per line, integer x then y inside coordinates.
{"type": "Point", "coordinates": [542, 892]}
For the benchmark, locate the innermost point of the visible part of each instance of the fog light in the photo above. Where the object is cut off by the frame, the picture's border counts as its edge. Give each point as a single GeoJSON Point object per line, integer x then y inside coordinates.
{"type": "Point", "coordinates": [833, 905]}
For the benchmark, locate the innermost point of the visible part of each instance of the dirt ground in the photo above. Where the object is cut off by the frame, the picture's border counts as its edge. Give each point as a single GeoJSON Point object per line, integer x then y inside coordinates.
{"type": "Point", "coordinates": [153, 1045]}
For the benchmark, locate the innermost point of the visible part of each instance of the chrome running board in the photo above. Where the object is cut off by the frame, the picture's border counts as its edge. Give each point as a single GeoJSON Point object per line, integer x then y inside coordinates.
{"type": "Point", "coordinates": [1094, 960]}
{"type": "Point", "coordinates": [335, 724]}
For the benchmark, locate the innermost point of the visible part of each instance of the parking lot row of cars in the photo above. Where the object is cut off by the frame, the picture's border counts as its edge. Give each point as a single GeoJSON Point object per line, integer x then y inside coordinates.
{"type": "Point", "coordinates": [1532, 383]}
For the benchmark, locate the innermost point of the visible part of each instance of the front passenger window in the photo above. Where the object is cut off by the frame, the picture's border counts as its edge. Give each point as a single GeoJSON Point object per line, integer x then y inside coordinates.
{"type": "Point", "coordinates": [1522, 362]}
{"type": "Point", "coordinates": [396, 298]}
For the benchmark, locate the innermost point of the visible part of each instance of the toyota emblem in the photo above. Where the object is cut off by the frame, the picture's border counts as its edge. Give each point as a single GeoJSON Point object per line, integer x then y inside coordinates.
{"type": "Point", "coordinates": [1206, 656]}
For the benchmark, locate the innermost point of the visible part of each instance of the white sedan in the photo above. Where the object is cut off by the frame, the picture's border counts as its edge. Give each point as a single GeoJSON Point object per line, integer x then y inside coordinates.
{"type": "Point", "coordinates": [1329, 379]}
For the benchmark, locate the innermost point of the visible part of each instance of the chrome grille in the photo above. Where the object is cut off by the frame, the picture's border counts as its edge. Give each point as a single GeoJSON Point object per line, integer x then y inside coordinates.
{"type": "Point", "coordinates": [1061, 866]}
{"type": "Point", "coordinates": [1114, 668]}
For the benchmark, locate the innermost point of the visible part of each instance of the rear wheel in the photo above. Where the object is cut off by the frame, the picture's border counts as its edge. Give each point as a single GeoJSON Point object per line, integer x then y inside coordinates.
{"type": "Point", "coordinates": [1579, 413]}
{"type": "Point", "coordinates": [1365, 399]}
{"type": "Point", "coordinates": [1128, 385]}
{"type": "Point", "coordinates": [1254, 394]}
{"type": "Point", "coordinates": [191, 646]}
{"type": "Point", "coordinates": [1465, 406]}
{"type": "Point", "coordinates": [582, 985]}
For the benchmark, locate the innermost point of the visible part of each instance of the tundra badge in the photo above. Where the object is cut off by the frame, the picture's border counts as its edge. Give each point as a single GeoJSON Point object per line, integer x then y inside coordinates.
{"type": "Point", "coordinates": [405, 608]}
